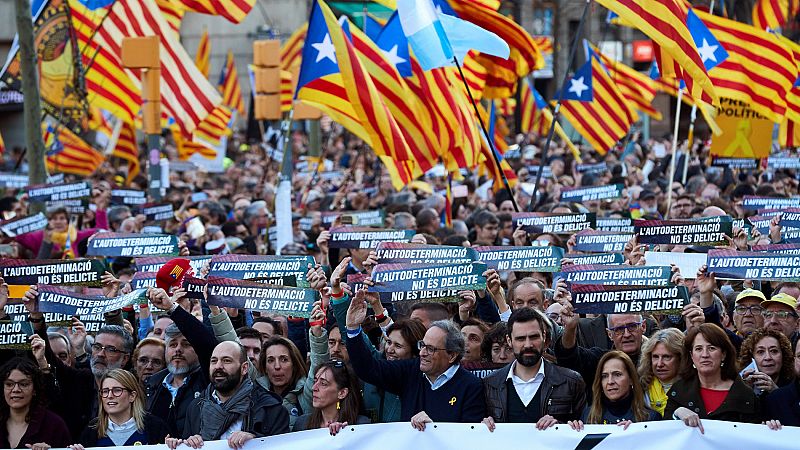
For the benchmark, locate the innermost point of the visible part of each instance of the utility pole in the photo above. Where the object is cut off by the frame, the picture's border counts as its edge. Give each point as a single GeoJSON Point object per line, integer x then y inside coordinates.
{"type": "Point", "coordinates": [32, 107]}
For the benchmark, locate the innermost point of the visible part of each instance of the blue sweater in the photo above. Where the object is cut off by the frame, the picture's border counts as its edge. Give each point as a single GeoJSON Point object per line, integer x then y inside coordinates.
{"type": "Point", "coordinates": [461, 399]}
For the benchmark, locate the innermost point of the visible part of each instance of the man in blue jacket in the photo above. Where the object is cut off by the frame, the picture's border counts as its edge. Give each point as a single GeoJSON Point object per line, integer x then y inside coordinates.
{"type": "Point", "coordinates": [433, 387]}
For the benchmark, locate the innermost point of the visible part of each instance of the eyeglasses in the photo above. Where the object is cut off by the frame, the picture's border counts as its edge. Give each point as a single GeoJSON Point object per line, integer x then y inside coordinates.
{"type": "Point", "coordinates": [754, 310]}
{"type": "Point", "coordinates": [620, 330]}
{"type": "Point", "coordinates": [110, 349]}
{"type": "Point", "coordinates": [145, 361]}
{"type": "Point", "coordinates": [778, 314]}
{"type": "Point", "coordinates": [23, 385]}
{"type": "Point", "coordinates": [421, 345]}
{"type": "Point", "coordinates": [114, 392]}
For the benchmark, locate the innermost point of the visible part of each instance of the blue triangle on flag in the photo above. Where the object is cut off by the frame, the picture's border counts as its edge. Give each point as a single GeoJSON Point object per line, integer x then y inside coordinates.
{"type": "Point", "coordinates": [711, 51]}
{"type": "Point", "coordinates": [319, 54]}
{"type": "Point", "coordinates": [395, 45]}
{"type": "Point", "coordinates": [579, 86]}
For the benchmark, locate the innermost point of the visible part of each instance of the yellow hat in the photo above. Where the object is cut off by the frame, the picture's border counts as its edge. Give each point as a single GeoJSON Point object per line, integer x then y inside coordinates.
{"type": "Point", "coordinates": [750, 293]}
{"type": "Point", "coordinates": [783, 299]}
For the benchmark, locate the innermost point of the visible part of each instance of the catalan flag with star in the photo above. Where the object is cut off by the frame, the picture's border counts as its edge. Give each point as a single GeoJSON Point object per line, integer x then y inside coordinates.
{"type": "Point", "coordinates": [537, 117]}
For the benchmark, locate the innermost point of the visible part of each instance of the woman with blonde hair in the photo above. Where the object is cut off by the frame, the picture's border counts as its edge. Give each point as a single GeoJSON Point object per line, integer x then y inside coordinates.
{"type": "Point", "coordinates": [121, 418]}
{"type": "Point", "coordinates": [659, 366]}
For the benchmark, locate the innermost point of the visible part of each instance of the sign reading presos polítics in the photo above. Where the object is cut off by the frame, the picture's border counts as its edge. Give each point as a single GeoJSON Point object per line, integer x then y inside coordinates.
{"type": "Point", "coordinates": [787, 249]}
{"type": "Point", "coordinates": [683, 232]}
{"type": "Point", "coordinates": [428, 277]}
{"type": "Point", "coordinates": [537, 222]}
{"type": "Point", "coordinates": [262, 267]}
{"type": "Point", "coordinates": [241, 294]}
{"type": "Point", "coordinates": [754, 265]}
{"type": "Point", "coordinates": [24, 224]}
{"type": "Point", "coordinates": [55, 192]}
{"type": "Point", "coordinates": [597, 168]}
{"type": "Point", "coordinates": [735, 163]}
{"type": "Point", "coordinates": [754, 203]}
{"type": "Point", "coordinates": [783, 162]}
{"type": "Point", "coordinates": [606, 299]}
{"type": "Point", "coordinates": [132, 244]}
{"type": "Point", "coordinates": [587, 194]}
{"type": "Point", "coordinates": [158, 212]}
{"type": "Point", "coordinates": [616, 275]}
{"type": "Point", "coordinates": [58, 300]}
{"type": "Point", "coordinates": [85, 272]}
{"type": "Point", "coordinates": [155, 263]}
{"type": "Point", "coordinates": [601, 241]}
{"type": "Point", "coordinates": [400, 252]}
{"type": "Point", "coordinates": [610, 259]}
{"type": "Point", "coordinates": [128, 197]}
{"type": "Point", "coordinates": [618, 225]}
{"type": "Point", "coordinates": [366, 238]}
{"type": "Point", "coordinates": [360, 218]}
{"type": "Point", "coordinates": [522, 259]}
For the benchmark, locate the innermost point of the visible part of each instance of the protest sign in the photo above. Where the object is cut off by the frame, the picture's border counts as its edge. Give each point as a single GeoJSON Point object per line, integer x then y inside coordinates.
{"type": "Point", "coordinates": [537, 222]}
{"type": "Point", "coordinates": [23, 224]}
{"type": "Point", "coordinates": [745, 132]}
{"type": "Point", "coordinates": [597, 168]}
{"type": "Point", "coordinates": [360, 218]}
{"type": "Point", "coordinates": [241, 294]}
{"type": "Point", "coordinates": [306, 223]}
{"type": "Point", "coordinates": [523, 259]}
{"type": "Point", "coordinates": [533, 169]}
{"type": "Point", "coordinates": [428, 277]}
{"type": "Point", "coordinates": [55, 192]}
{"type": "Point", "coordinates": [688, 263]}
{"type": "Point", "coordinates": [155, 263]}
{"type": "Point", "coordinates": [597, 258]}
{"type": "Point", "coordinates": [13, 181]}
{"type": "Point", "coordinates": [14, 335]}
{"type": "Point", "coordinates": [194, 287]}
{"type": "Point", "coordinates": [788, 249]}
{"type": "Point", "coordinates": [481, 369]}
{"type": "Point", "coordinates": [586, 194]}
{"type": "Point", "coordinates": [58, 300]}
{"type": "Point", "coordinates": [182, 166]}
{"type": "Point", "coordinates": [128, 197]}
{"type": "Point", "coordinates": [600, 241]}
{"type": "Point", "coordinates": [783, 162]}
{"type": "Point", "coordinates": [735, 163]}
{"type": "Point", "coordinates": [615, 275]}
{"type": "Point", "coordinates": [619, 225]}
{"type": "Point", "coordinates": [157, 212]}
{"type": "Point", "coordinates": [606, 299]}
{"type": "Point", "coordinates": [73, 206]}
{"type": "Point", "coordinates": [356, 282]}
{"type": "Point", "coordinates": [735, 265]}
{"type": "Point", "coordinates": [399, 252]}
{"type": "Point", "coordinates": [366, 238]}
{"type": "Point", "coordinates": [52, 271]}
{"type": "Point", "coordinates": [132, 244]}
{"type": "Point", "coordinates": [753, 203]}
{"type": "Point", "coordinates": [143, 280]}
{"type": "Point", "coordinates": [683, 232]}
{"type": "Point", "coordinates": [262, 267]}
{"type": "Point", "coordinates": [91, 322]}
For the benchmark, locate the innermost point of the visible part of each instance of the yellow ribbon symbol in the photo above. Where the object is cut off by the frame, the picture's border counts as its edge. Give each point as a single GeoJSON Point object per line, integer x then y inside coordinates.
{"type": "Point", "coordinates": [452, 401]}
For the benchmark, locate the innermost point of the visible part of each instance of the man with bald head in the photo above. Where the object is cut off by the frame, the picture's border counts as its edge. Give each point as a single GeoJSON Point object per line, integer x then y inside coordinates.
{"type": "Point", "coordinates": [232, 407]}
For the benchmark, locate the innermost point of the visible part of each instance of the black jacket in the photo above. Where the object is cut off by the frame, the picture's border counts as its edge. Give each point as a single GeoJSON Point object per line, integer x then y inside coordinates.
{"type": "Point", "coordinates": [155, 429]}
{"type": "Point", "coordinates": [741, 404]}
{"type": "Point", "coordinates": [266, 417]}
{"type": "Point", "coordinates": [563, 393]}
{"type": "Point", "coordinates": [784, 404]}
{"type": "Point", "coordinates": [159, 399]}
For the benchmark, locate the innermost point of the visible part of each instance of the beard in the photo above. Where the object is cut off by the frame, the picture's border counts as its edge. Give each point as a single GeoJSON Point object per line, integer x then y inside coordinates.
{"type": "Point", "coordinates": [181, 370]}
{"type": "Point", "coordinates": [101, 371]}
{"type": "Point", "coordinates": [528, 360]}
{"type": "Point", "coordinates": [228, 384]}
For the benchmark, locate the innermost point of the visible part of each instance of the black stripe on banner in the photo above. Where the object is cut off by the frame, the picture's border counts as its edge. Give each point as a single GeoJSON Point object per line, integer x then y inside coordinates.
{"type": "Point", "coordinates": [591, 441]}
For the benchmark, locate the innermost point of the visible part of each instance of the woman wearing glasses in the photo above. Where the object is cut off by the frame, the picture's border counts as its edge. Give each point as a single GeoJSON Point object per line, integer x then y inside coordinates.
{"type": "Point", "coordinates": [772, 354]}
{"type": "Point", "coordinates": [24, 420]}
{"type": "Point", "coordinates": [336, 399]}
{"type": "Point", "coordinates": [121, 418]}
{"type": "Point", "coordinates": [710, 387]}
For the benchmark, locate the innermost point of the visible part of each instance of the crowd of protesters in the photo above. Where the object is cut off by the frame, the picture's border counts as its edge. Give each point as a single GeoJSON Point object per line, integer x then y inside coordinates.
{"type": "Point", "coordinates": [193, 372]}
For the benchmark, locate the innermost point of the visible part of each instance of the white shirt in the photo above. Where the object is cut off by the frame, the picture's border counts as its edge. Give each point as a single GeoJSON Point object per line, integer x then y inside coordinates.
{"type": "Point", "coordinates": [526, 390]}
{"type": "Point", "coordinates": [443, 378]}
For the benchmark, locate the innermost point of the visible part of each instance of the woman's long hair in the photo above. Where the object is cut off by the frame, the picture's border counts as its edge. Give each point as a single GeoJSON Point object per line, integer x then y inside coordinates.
{"type": "Point", "coordinates": [350, 406]}
{"type": "Point", "coordinates": [131, 383]}
{"type": "Point", "coordinates": [28, 368]}
{"type": "Point", "coordinates": [672, 339]}
{"type": "Point", "coordinates": [714, 335]}
{"type": "Point", "coordinates": [747, 351]}
{"type": "Point", "coordinates": [299, 369]}
{"type": "Point", "coordinates": [640, 412]}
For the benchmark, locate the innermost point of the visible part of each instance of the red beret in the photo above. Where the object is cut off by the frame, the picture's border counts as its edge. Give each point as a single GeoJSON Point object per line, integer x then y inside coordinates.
{"type": "Point", "coordinates": [172, 273]}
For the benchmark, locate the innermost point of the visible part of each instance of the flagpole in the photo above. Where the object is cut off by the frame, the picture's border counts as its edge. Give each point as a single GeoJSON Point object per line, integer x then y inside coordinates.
{"type": "Point", "coordinates": [283, 196]}
{"type": "Point", "coordinates": [490, 139]}
{"type": "Point", "coordinates": [674, 150]}
{"type": "Point", "coordinates": [557, 110]}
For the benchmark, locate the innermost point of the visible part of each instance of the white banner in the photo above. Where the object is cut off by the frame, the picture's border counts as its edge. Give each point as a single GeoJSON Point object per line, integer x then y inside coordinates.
{"type": "Point", "coordinates": [665, 435]}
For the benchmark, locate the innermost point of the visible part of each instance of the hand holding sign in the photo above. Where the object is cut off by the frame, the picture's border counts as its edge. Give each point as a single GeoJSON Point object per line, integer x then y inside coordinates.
{"type": "Point", "coordinates": [3, 294]}
{"type": "Point", "coordinates": [775, 228]}
{"type": "Point", "coordinates": [38, 349]}
{"type": "Point", "coordinates": [111, 284]}
{"type": "Point", "coordinates": [677, 278]}
{"type": "Point", "coordinates": [520, 237]}
{"type": "Point", "coordinates": [693, 315]}
{"type": "Point", "coordinates": [77, 337]}
{"type": "Point", "coordinates": [159, 298]}
{"type": "Point", "coordinates": [29, 300]}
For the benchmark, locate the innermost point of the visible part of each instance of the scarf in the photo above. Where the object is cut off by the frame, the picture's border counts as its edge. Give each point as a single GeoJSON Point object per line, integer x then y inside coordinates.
{"type": "Point", "coordinates": [658, 398]}
{"type": "Point", "coordinates": [65, 240]}
{"type": "Point", "coordinates": [216, 418]}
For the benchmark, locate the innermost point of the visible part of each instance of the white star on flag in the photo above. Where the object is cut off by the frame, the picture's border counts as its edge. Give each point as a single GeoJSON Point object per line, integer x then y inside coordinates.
{"type": "Point", "coordinates": [325, 49]}
{"type": "Point", "coordinates": [708, 51]}
{"type": "Point", "coordinates": [577, 86]}
{"type": "Point", "coordinates": [392, 56]}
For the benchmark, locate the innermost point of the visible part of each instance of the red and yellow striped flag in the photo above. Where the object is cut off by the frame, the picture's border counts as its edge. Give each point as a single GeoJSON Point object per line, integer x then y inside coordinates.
{"type": "Point", "coordinates": [233, 10]}
{"type": "Point", "coordinates": [229, 86]}
{"type": "Point", "coordinates": [638, 88]}
{"type": "Point", "coordinates": [545, 44]}
{"type": "Point", "coordinates": [292, 48]}
{"type": "Point", "coordinates": [187, 147]}
{"type": "Point", "coordinates": [2, 145]}
{"type": "Point", "coordinates": [75, 156]}
{"type": "Point", "coordinates": [215, 126]}
{"type": "Point", "coordinates": [772, 13]}
{"type": "Point", "coordinates": [475, 74]}
{"type": "Point", "coordinates": [203, 57]}
{"type": "Point", "coordinates": [537, 117]}
{"type": "Point", "coordinates": [789, 135]}
{"type": "Point", "coordinates": [173, 12]}
{"type": "Point", "coordinates": [287, 91]}
{"type": "Point", "coordinates": [128, 150]}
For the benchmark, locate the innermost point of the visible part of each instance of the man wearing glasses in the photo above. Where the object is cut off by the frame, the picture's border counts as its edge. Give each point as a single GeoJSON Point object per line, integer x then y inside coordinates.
{"type": "Point", "coordinates": [780, 314]}
{"type": "Point", "coordinates": [433, 387]}
{"type": "Point", "coordinates": [748, 313]}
